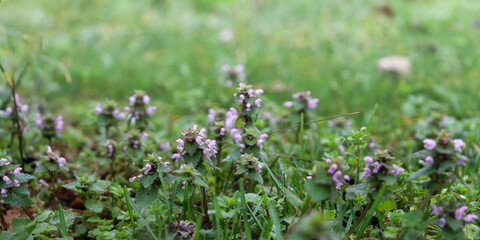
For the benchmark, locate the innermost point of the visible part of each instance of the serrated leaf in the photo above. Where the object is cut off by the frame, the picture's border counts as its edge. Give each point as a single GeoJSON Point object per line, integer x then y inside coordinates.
{"type": "Point", "coordinates": [96, 207]}
{"type": "Point", "coordinates": [386, 206]}
{"type": "Point", "coordinates": [20, 222]}
{"type": "Point", "coordinates": [318, 192]}
{"type": "Point", "coordinates": [199, 182]}
{"type": "Point", "coordinates": [146, 196]}
{"type": "Point", "coordinates": [353, 191]}
{"type": "Point", "coordinates": [69, 218]}
{"type": "Point", "coordinates": [412, 218]}
{"type": "Point", "coordinates": [19, 197]}
{"type": "Point", "coordinates": [256, 177]}
{"type": "Point", "coordinates": [422, 172]}
{"type": "Point", "coordinates": [148, 180]}
{"type": "Point", "coordinates": [23, 177]}
{"type": "Point", "coordinates": [241, 170]}
{"type": "Point", "coordinates": [190, 148]}
{"type": "Point", "coordinates": [294, 200]}
{"type": "Point", "coordinates": [100, 187]}
{"type": "Point", "coordinates": [72, 185]}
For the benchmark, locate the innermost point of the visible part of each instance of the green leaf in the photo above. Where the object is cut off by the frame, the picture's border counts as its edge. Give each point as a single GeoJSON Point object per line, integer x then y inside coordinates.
{"type": "Point", "coordinates": [256, 177]}
{"type": "Point", "coordinates": [68, 215]}
{"type": "Point", "coordinates": [446, 165]}
{"type": "Point", "coordinates": [100, 187]}
{"type": "Point", "coordinates": [422, 172]}
{"type": "Point", "coordinates": [318, 192]}
{"type": "Point", "coordinates": [20, 222]}
{"type": "Point", "coordinates": [329, 214]}
{"type": "Point", "coordinates": [72, 185]}
{"type": "Point", "coordinates": [19, 197]}
{"type": "Point", "coordinates": [96, 207]}
{"type": "Point", "coordinates": [148, 180]}
{"type": "Point", "coordinates": [390, 179]}
{"type": "Point", "coordinates": [241, 170]}
{"type": "Point", "coordinates": [412, 218]}
{"type": "Point", "coordinates": [353, 191]}
{"type": "Point", "coordinates": [199, 182]}
{"type": "Point", "coordinates": [191, 148]}
{"type": "Point", "coordinates": [387, 205]}
{"type": "Point", "coordinates": [146, 196]}
{"type": "Point", "coordinates": [294, 200]}
{"type": "Point", "coordinates": [24, 177]}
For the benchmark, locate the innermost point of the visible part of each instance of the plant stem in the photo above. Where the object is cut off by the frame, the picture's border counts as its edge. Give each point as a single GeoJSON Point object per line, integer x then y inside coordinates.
{"type": "Point", "coordinates": [28, 213]}
{"type": "Point", "coordinates": [205, 206]}
{"type": "Point", "coordinates": [17, 122]}
{"type": "Point", "coordinates": [2, 219]}
{"type": "Point", "coordinates": [358, 164]}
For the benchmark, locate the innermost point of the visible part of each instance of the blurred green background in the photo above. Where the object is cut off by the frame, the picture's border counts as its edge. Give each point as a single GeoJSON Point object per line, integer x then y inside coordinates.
{"type": "Point", "coordinates": [173, 50]}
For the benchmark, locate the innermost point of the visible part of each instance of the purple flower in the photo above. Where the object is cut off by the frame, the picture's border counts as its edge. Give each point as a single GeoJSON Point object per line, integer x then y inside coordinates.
{"type": "Point", "coordinates": [429, 144]}
{"type": "Point", "coordinates": [59, 123]}
{"type": "Point", "coordinates": [148, 167]}
{"type": "Point", "coordinates": [211, 115]}
{"type": "Point", "coordinates": [17, 170]}
{"type": "Point", "coordinates": [61, 161]}
{"type": "Point", "coordinates": [460, 211]}
{"type": "Point", "coordinates": [436, 210]}
{"type": "Point", "coordinates": [118, 115]}
{"type": "Point", "coordinates": [398, 170]}
{"type": "Point", "coordinates": [312, 103]}
{"type": "Point", "coordinates": [39, 122]}
{"type": "Point", "coordinates": [146, 100]}
{"type": "Point", "coordinates": [151, 110]}
{"type": "Point", "coordinates": [177, 156]}
{"type": "Point", "coordinates": [332, 168]}
{"type": "Point", "coordinates": [288, 104]}
{"type": "Point", "coordinates": [309, 176]}
{"type": "Point", "coordinates": [132, 179]}
{"type": "Point", "coordinates": [4, 193]}
{"type": "Point", "coordinates": [16, 183]}
{"type": "Point", "coordinates": [368, 159]}
{"type": "Point", "coordinates": [442, 222]}
{"type": "Point", "coordinates": [261, 139]}
{"type": "Point", "coordinates": [429, 161]}
{"type": "Point", "coordinates": [98, 109]}
{"type": "Point", "coordinates": [4, 162]}
{"type": "Point", "coordinates": [458, 144]}
{"type": "Point", "coordinates": [470, 218]}
{"type": "Point", "coordinates": [42, 183]}
{"type": "Point", "coordinates": [110, 150]}
{"type": "Point", "coordinates": [7, 180]}
{"type": "Point", "coordinates": [376, 167]}
{"type": "Point", "coordinates": [180, 144]}
{"type": "Point", "coordinates": [257, 102]}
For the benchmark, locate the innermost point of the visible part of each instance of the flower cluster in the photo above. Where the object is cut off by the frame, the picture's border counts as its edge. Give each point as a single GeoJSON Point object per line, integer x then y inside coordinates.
{"type": "Point", "coordinates": [248, 139]}
{"type": "Point", "coordinates": [249, 100]}
{"type": "Point", "coordinates": [108, 115]}
{"type": "Point", "coordinates": [233, 74]}
{"type": "Point", "coordinates": [337, 170]}
{"type": "Point", "coordinates": [22, 110]}
{"type": "Point", "coordinates": [451, 210]}
{"type": "Point", "coordinates": [194, 147]}
{"type": "Point", "coordinates": [251, 167]}
{"type": "Point", "coordinates": [49, 125]}
{"type": "Point", "coordinates": [140, 109]}
{"type": "Point", "coordinates": [381, 168]}
{"type": "Point", "coordinates": [153, 165]}
{"type": "Point", "coordinates": [442, 149]}
{"type": "Point", "coordinates": [135, 138]}
{"type": "Point", "coordinates": [11, 180]}
{"type": "Point", "coordinates": [302, 101]}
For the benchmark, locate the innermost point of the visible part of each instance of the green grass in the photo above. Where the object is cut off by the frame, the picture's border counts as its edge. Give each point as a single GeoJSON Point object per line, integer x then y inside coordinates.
{"type": "Point", "coordinates": [171, 49]}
